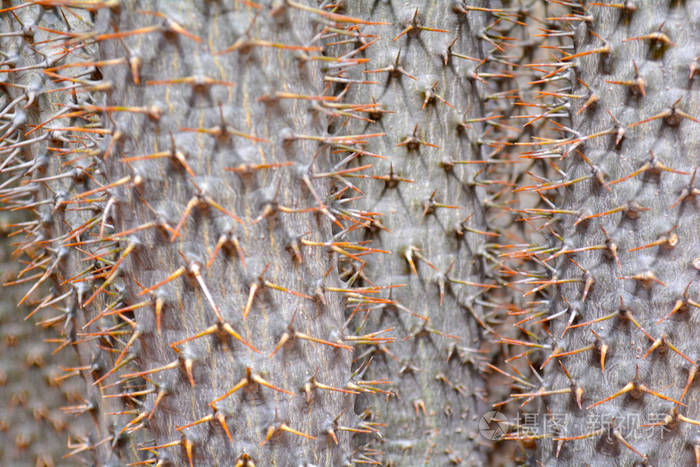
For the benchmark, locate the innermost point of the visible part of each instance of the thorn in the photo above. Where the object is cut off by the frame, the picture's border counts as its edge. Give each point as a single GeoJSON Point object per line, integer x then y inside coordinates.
{"type": "Point", "coordinates": [689, 191]}
{"type": "Point", "coordinates": [557, 353]}
{"type": "Point", "coordinates": [158, 311]}
{"type": "Point", "coordinates": [178, 272]}
{"type": "Point", "coordinates": [619, 437]}
{"type": "Point", "coordinates": [681, 304]}
{"type": "Point", "coordinates": [195, 270]}
{"type": "Point", "coordinates": [188, 369]}
{"type": "Point", "coordinates": [631, 210]}
{"type": "Point", "coordinates": [162, 392]}
{"type": "Point", "coordinates": [249, 378]}
{"type": "Point", "coordinates": [659, 37]}
{"type": "Point", "coordinates": [334, 16]}
{"type": "Point", "coordinates": [188, 449]}
{"type": "Point", "coordinates": [169, 366]}
{"type": "Point", "coordinates": [636, 86]}
{"type": "Point", "coordinates": [221, 327]}
{"type": "Point", "coordinates": [668, 239]}
{"type": "Point", "coordinates": [627, 388]}
{"type": "Point", "coordinates": [584, 436]}
{"type": "Point", "coordinates": [612, 248]}
{"type": "Point", "coordinates": [637, 390]}
{"type": "Point", "coordinates": [602, 348]}
{"type": "Point", "coordinates": [283, 427]}
{"type": "Point", "coordinates": [394, 70]}
{"type": "Point", "coordinates": [115, 269]}
{"type": "Point", "coordinates": [691, 376]}
{"type": "Point", "coordinates": [254, 286]}
{"type": "Point", "coordinates": [646, 278]}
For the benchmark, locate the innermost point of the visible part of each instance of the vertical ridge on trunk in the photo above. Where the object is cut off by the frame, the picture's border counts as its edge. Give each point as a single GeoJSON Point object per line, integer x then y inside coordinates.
{"type": "Point", "coordinates": [427, 199]}
{"type": "Point", "coordinates": [612, 354]}
{"type": "Point", "coordinates": [182, 161]}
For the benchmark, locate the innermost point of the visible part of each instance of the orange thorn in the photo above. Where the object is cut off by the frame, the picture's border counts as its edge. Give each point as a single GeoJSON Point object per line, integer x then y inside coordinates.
{"type": "Point", "coordinates": [188, 449]}
{"type": "Point", "coordinates": [188, 369]}
{"type": "Point", "coordinates": [206, 418]}
{"type": "Point", "coordinates": [158, 311]}
{"type": "Point", "coordinates": [649, 391]}
{"type": "Point", "coordinates": [169, 366]}
{"type": "Point", "coordinates": [321, 341]}
{"type": "Point", "coordinates": [331, 433]}
{"type": "Point", "coordinates": [238, 386]}
{"type": "Point", "coordinates": [229, 329]}
{"type": "Point", "coordinates": [286, 428]}
{"type": "Point", "coordinates": [181, 270]}
{"type": "Point", "coordinates": [222, 420]}
{"type": "Point", "coordinates": [691, 376]}
{"type": "Point", "coordinates": [258, 379]}
{"type": "Point", "coordinates": [159, 397]}
{"type": "Point", "coordinates": [251, 295]}
{"type": "Point", "coordinates": [190, 205]}
{"type": "Point", "coordinates": [283, 340]}
{"type": "Point", "coordinates": [210, 330]}
{"type": "Point", "coordinates": [628, 387]}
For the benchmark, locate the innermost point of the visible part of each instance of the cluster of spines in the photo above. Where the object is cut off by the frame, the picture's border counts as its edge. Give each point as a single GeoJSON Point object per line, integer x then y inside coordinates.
{"type": "Point", "coordinates": [609, 257]}
{"type": "Point", "coordinates": [103, 222]}
{"type": "Point", "coordinates": [35, 384]}
{"type": "Point", "coordinates": [498, 123]}
{"type": "Point", "coordinates": [438, 197]}
{"type": "Point", "coordinates": [120, 326]}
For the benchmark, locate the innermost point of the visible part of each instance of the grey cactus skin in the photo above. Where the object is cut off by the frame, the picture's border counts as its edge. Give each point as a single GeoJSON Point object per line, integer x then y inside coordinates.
{"type": "Point", "coordinates": [37, 385]}
{"type": "Point", "coordinates": [265, 242]}
{"type": "Point", "coordinates": [438, 374]}
{"type": "Point", "coordinates": [159, 191]}
{"type": "Point", "coordinates": [433, 216]}
{"type": "Point", "coordinates": [33, 384]}
{"type": "Point", "coordinates": [266, 210]}
{"type": "Point", "coordinates": [639, 343]}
